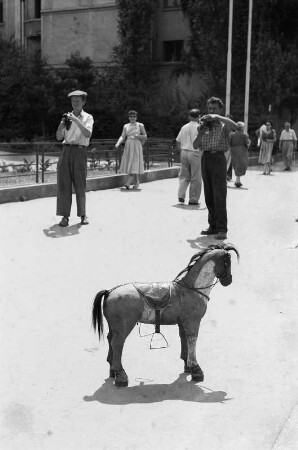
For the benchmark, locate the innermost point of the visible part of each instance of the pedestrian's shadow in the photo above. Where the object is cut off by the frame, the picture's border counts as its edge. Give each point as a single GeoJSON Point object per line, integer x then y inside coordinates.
{"type": "Point", "coordinates": [189, 207]}
{"type": "Point", "coordinates": [238, 189]}
{"type": "Point", "coordinates": [129, 191]}
{"type": "Point", "coordinates": [180, 389]}
{"type": "Point", "coordinates": [55, 231]}
{"type": "Point", "coordinates": [203, 242]}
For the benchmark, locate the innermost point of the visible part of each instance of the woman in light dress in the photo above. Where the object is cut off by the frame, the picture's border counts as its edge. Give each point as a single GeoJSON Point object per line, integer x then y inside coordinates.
{"type": "Point", "coordinates": [132, 163]}
{"type": "Point", "coordinates": [239, 143]}
{"type": "Point", "coordinates": [268, 137]}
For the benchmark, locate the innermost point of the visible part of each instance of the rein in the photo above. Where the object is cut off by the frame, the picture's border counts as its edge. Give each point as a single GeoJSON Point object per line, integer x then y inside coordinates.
{"type": "Point", "coordinates": [197, 290]}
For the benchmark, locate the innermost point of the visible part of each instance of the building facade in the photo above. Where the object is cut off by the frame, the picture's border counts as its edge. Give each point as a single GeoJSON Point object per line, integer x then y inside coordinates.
{"type": "Point", "coordinates": [60, 28]}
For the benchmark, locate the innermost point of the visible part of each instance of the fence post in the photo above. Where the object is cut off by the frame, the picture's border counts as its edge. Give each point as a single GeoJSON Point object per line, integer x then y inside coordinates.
{"type": "Point", "coordinates": [147, 155]}
{"type": "Point", "coordinates": [117, 158]}
{"type": "Point", "coordinates": [42, 165]}
{"type": "Point", "coordinates": [37, 164]}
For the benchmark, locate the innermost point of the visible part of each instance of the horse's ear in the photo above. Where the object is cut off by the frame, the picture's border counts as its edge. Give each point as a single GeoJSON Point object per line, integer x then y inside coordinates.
{"type": "Point", "coordinates": [229, 247]}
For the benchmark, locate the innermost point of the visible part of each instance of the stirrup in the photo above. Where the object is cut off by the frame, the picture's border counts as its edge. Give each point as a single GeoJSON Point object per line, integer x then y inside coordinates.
{"type": "Point", "coordinates": [158, 341]}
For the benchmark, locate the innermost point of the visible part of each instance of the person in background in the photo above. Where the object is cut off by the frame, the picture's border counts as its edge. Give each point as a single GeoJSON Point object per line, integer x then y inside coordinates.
{"type": "Point", "coordinates": [75, 129]}
{"type": "Point", "coordinates": [268, 138]}
{"type": "Point", "coordinates": [259, 133]}
{"type": "Point", "coordinates": [287, 145]}
{"type": "Point", "coordinates": [132, 162]}
{"type": "Point", "coordinates": [213, 139]}
{"type": "Point", "coordinates": [239, 143]}
{"type": "Point", "coordinates": [190, 171]}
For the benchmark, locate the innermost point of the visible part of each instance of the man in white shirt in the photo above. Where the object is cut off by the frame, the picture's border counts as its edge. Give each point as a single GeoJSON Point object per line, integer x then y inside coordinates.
{"type": "Point", "coordinates": [75, 129]}
{"type": "Point", "coordinates": [190, 171]}
{"type": "Point", "coordinates": [287, 144]}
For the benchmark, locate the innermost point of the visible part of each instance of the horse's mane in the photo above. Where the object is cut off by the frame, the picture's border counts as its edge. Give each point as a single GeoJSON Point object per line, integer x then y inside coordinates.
{"type": "Point", "coordinates": [195, 258]}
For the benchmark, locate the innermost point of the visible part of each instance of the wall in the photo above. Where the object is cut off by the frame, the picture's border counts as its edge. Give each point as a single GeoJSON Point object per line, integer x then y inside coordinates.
{"type": "Point", "coordinates": [11, 25]}
{"type": "Point", "coordinates": [87, 26]}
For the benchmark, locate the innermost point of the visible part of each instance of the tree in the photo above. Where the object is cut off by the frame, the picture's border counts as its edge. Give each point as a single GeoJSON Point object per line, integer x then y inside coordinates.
{"type": "Point", "coordinates": [274, 61]}
{"type": "Point", "coordinates": [24, 100]}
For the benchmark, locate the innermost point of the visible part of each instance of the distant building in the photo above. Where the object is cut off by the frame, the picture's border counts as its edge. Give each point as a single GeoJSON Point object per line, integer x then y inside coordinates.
{"type": "Point", "coordinates": [60, 28]}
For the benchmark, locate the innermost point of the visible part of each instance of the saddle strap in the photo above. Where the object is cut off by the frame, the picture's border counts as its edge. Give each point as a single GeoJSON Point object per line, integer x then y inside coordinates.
{"type": "Point", "coordinates": [157, 321]}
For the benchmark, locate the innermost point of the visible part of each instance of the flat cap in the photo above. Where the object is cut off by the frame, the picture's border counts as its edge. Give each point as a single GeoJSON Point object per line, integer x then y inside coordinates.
{"type": "Point", "coordinates": [77, 93]}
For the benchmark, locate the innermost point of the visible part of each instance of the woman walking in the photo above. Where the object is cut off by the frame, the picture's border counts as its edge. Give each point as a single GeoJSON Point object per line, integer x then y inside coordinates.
{"type": "Point", "coordinates": [239, 143]}
{"type": "Point", "coordinates": [132, 163]}
{"type": "Point", "coordinates": [268, 137]}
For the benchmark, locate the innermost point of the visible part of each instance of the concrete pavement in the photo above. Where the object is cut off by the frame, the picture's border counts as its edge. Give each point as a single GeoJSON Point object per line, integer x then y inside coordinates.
{"type": "Point", "coordinates": [55, 394]}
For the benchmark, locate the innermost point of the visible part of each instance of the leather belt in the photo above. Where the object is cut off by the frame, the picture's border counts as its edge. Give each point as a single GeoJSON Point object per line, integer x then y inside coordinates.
{"type": "Point", "coordinates": [75, 145]}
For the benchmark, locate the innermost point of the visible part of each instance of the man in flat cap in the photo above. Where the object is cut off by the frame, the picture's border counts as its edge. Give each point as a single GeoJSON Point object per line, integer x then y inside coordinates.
{"type": "Point", "coordinates": [75, 130]}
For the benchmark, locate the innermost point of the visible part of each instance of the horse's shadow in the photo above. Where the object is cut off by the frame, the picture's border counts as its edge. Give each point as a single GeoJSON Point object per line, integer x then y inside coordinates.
{"type": "Point", "coordinates": [55, 231]}
{"type": "Point", "coordinates": [180, 389]}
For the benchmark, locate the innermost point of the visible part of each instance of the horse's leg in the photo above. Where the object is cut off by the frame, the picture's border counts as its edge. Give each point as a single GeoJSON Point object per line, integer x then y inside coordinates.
{"type": "Point", "coordinates": [110, 354]}
{"type": "Point", "coordinates": [183, 354]}
{"type": "Point", "coordinates": [118, 338]}
{"type": "Point", "coordinates": [192, 330]}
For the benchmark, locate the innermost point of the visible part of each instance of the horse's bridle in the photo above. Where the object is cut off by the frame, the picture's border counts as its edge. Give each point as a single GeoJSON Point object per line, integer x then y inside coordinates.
{"type": "Point", "coordinates": [227, 263]}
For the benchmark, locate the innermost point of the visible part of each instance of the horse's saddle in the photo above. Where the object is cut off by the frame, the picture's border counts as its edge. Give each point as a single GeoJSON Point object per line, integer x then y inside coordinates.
{"type": "Point", "coordinates": [157, 295]}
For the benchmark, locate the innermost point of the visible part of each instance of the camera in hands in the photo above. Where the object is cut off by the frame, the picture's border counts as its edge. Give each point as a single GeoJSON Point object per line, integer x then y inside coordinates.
{"type": "Point", "coordinates": [66, 120]}
{"type": "Point", "coordinates": [205, 121]}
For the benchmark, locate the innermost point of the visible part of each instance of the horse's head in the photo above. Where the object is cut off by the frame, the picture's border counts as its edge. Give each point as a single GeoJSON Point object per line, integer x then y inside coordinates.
{"type": "Point", "coordinates": [223, 264]}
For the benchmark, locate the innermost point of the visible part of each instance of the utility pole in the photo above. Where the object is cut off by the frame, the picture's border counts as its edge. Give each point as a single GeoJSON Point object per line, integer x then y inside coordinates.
{"type": "Point", "coordinates": [247, 79]}
{"type": "Point", "coordinates": [229, 59]}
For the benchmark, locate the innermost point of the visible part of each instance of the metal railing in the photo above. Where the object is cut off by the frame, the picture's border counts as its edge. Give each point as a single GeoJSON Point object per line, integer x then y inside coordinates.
{"type": "Point", "coordinates": [36, 162]}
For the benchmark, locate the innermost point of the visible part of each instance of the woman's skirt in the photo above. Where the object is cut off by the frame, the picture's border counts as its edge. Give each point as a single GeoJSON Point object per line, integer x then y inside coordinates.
{"type": "Point", "coordinates": [132, 161]}
{"type": "Point", "coordinates": [239, 160]}
{"type": "Point", "coordinates": [265, 155]}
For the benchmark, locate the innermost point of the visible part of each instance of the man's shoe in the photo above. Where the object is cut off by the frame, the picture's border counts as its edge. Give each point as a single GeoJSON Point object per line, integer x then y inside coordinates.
{"type": "Point", "coordinates": [64, 222]}
{"type": "Point", "coordinates": [84, 220]}
{"type": "Point", "coordinates": [181, 200]}
{"type": "Point", "coordinates": [209, 231]}
{"type": "Point", "coordinates": [194, 203]}
{"type": "Point", "coordinates": [221, 235]}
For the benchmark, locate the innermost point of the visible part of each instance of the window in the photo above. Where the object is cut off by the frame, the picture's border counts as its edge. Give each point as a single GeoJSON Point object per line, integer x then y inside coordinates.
{"type": "Point", "coordinates": [1, 11]}
{"type": "Point", "coordinates": [33, 44]}
{"type": "Point", "coordinates": [172, 50]}
{"type": "Point", "coordinates": [171, 3]}
{"type": "Point", "coordinates": [37, 9]}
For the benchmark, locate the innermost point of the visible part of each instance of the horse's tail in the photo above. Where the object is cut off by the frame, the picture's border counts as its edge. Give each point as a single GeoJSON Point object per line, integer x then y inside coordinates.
{"type": "Point", "coordinates": [97, 312]}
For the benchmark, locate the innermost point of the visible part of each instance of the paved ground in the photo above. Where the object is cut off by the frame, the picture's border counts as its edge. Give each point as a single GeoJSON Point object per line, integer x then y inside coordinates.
{"type": "Point", "coordinates": [55, 394]}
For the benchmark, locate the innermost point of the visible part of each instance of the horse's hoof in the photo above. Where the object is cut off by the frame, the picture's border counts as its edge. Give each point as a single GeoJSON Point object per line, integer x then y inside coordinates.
{"type": "Point", "coordinates": [197, 374]}
{"type": "Point", "coordinates": [197, 377]}
{"type": "Point", "coordinates": [121, 383]}
{"type": "Point", "coordinates": [121, 379]}
{"type": "Point", "coordinates": [112, 373]}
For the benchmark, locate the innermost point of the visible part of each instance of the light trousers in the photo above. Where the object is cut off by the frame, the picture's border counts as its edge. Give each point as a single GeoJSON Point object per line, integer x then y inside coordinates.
{"type": "Point", "coordinates": [190, 175]}
{"type": "Point", "coordinates": [287, 148]}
